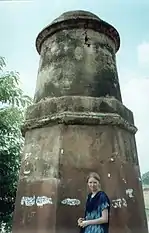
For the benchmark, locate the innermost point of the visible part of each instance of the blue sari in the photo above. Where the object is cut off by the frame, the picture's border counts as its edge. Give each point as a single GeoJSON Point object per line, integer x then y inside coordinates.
{"type": "Point", "coordinates": [94, 207]}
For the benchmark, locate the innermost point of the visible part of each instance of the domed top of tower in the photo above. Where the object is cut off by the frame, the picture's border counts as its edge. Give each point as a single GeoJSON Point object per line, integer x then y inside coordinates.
{"type": "Point", "coordinates": [75, 15]}
{"type": "Point", "coordinates": [78, 19]}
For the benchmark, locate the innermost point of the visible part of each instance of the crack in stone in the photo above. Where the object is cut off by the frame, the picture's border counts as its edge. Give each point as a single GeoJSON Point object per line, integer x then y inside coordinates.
{"type": "Point", "coordinates": [87, 39]}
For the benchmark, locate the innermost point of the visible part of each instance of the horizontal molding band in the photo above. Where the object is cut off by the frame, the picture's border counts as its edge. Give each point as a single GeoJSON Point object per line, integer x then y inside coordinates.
{"type": "Point", "coordinates": [79, 118]}
{"type": "Point", "coordinates": [57, 105]}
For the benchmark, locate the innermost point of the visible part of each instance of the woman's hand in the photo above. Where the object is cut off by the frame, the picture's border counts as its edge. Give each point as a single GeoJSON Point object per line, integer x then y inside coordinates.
{"type": "Point", "coordinates": [84, 224]}
{"type": "Point", "coordinates": [80, 221]}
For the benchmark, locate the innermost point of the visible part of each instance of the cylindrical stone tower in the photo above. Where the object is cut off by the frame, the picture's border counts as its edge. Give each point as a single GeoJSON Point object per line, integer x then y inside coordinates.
{"type": "Point", "coordinates": [76, 125]}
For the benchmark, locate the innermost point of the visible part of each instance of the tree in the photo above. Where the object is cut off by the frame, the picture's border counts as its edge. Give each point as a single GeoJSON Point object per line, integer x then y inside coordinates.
{"type": "Point", "coordinates": [145, 178]}
{"type": "Point", "coordinates": [13, 103]}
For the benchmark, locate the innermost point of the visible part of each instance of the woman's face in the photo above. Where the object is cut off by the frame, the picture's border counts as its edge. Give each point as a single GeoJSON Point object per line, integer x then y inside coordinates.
{"type": "Point", "coordinates": [93, 184]}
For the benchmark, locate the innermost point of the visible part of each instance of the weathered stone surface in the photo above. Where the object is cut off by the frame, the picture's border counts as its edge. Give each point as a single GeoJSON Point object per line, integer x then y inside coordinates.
{"type": "Point", "coordinates": [76, 125]}
{"type": "Point", "coordinates": [77, 58]}
{"type": "Point", "coordinates": [55, 164]}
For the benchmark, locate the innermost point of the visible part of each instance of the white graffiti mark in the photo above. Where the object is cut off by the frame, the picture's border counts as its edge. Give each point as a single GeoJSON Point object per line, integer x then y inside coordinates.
{"type": "Point", "coordinates": [124, 202]}
{"type": "Point", "coordinates": [28, 201]}
{"type": "Point", "coordinates": [119, 203]}
{"type": "Point", "coordinates": [124, 180]}
{"type": "Point", "coordinates": [112, 159]}
{"type": "Point", "coordinates": [43, 200]}
{"type": "Point", "coordinates": [26, 172]}
{"type": "Point", "coordinates": [28, 154]}
{"type": "Point", "coordinates": [109, 175]}
{"type": "Point", "coordinates": [62, 151]}
{"type": "Point", "coordinates": [71, 202]}
{"type": "Point", "coordinates": [129, 192]}
{"type": "Point", "coordinates": [39, 201]}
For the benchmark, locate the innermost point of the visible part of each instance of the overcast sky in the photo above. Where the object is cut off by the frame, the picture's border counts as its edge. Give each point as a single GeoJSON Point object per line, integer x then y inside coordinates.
{"type": "Point", "coordinates": [21, 21]}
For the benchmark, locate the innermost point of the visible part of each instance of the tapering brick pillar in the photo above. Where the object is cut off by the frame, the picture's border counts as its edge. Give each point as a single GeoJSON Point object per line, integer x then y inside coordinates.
{"type": "Point", "coordinates": [78, 124]}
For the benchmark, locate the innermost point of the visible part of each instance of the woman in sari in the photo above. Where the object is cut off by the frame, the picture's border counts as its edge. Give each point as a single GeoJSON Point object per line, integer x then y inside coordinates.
{"type": "Point", "coordinates": [97, 210]}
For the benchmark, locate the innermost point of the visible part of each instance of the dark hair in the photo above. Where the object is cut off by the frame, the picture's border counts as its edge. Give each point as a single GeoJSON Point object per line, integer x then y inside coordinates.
{"type": "Point", "coordinates": [93, 175]}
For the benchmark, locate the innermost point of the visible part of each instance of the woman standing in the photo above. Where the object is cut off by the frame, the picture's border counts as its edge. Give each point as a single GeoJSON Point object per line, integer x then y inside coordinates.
{"type": "Point", "coordinates": [96, 218]}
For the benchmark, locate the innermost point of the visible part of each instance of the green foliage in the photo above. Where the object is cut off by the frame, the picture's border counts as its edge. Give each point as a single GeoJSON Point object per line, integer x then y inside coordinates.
{"type": "Point", "coordinates": [13, 104]}
{"type": "Point", "coordinates": [10, 92]}
{"type": "Point", "coordinates": [145, 178]}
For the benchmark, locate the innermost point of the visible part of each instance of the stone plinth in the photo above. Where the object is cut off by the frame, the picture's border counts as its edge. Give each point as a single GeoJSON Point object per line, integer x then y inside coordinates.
{"type": "Point", "coordinates": [78, 124]}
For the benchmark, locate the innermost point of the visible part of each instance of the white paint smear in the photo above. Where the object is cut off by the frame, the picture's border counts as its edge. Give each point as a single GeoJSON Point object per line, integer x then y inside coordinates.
{"type": "Point", "coordinates": [26, 172]}
{"type": "Point", "coordinates": [28, 154]}
{"type": "Point", "coordinates": [124, 180]}
{"type": "Point", "coordinates": [62, 151]}
{"type": "Point", "coordinates": [71, 202]}
{"type": "Point", "coordinates": [109, 175]}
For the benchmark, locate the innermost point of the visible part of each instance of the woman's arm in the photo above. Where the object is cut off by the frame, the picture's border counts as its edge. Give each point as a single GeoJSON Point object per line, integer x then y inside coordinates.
{"type": "Point", "coordinates": [101, 220]}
